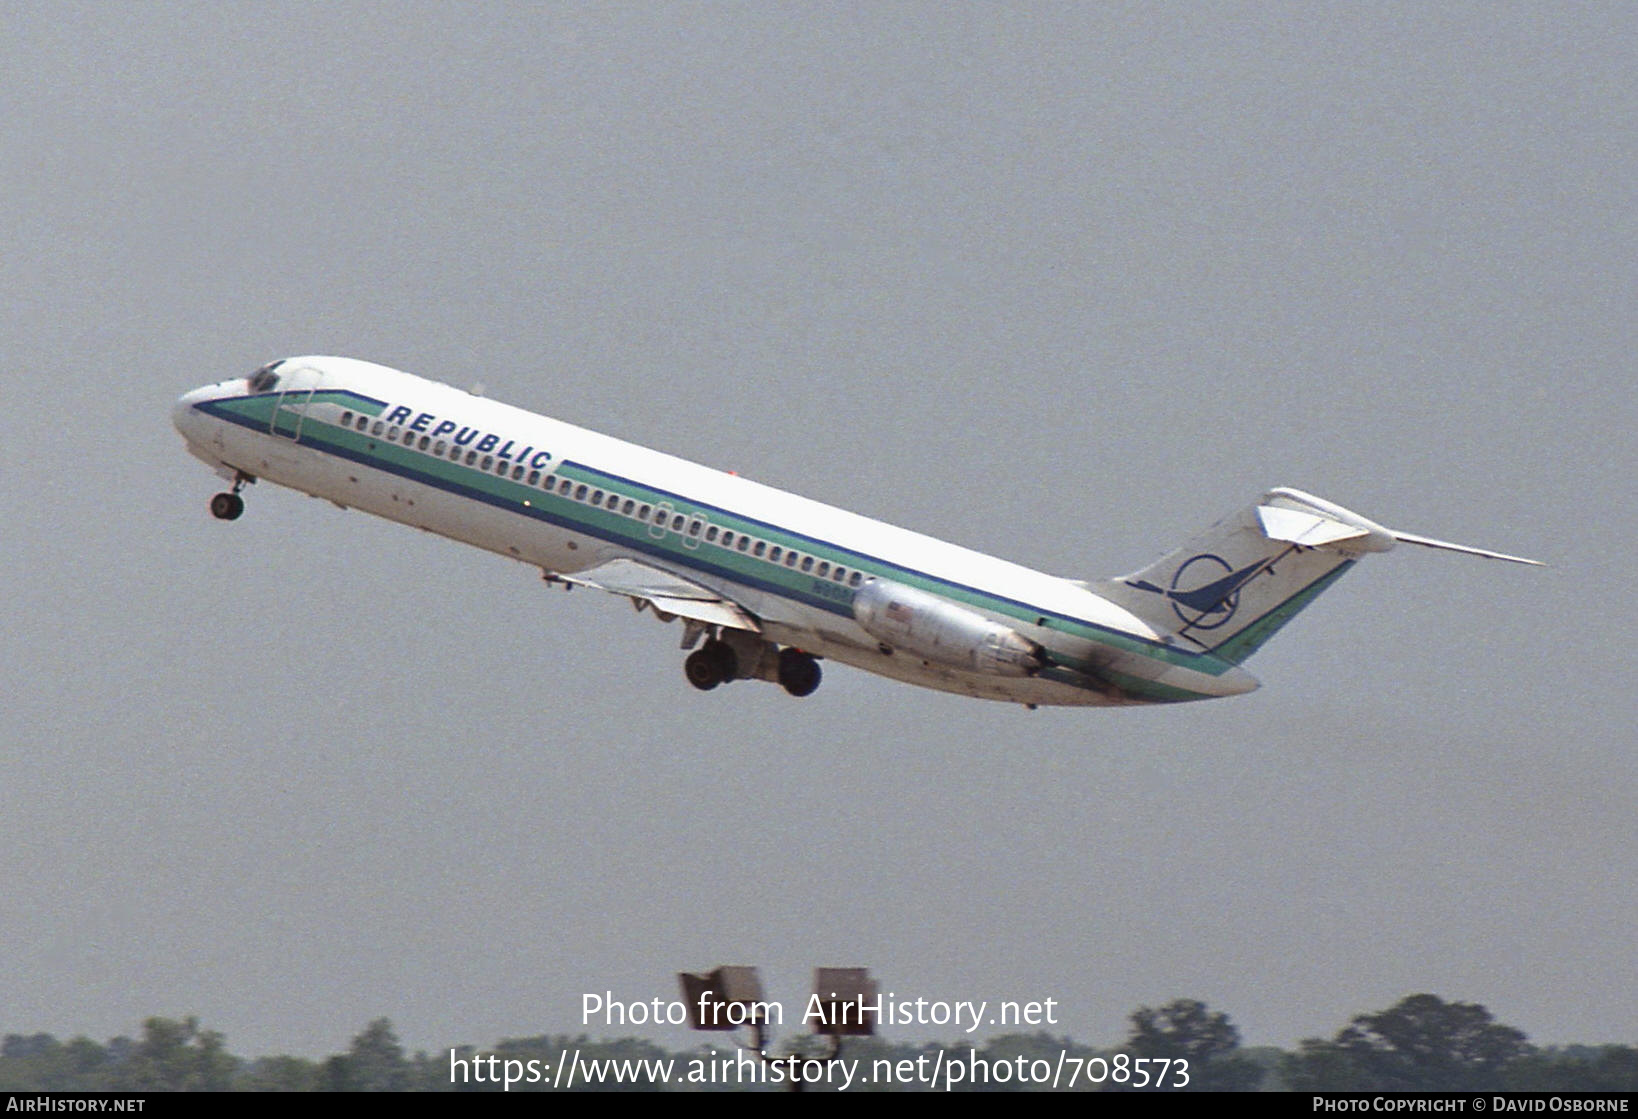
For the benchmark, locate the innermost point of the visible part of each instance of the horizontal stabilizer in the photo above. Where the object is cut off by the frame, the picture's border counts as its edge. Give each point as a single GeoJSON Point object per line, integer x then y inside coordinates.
{"type": "Point", "coordinates": [1426, 542]}
{"type": "Point", "coordinates": [665, 592]}
{"type": "Point", "coordinates": [1311, 530]}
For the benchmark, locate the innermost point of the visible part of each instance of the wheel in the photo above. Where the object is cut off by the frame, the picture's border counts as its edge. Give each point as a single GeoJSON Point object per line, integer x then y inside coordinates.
{"type": "Point", "coordinates": [711, 664]}
{"type": "Point", "coordinates": [703, 668]}
{"type": "Point", "coordinates": [727, 663]}
{"type": "Point", "coordinates": [227, 506]}
{"type": "Point", "coordinates": [799, 673]}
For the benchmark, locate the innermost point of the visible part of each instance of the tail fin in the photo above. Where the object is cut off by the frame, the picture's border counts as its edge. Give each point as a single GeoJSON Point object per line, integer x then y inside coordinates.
{"type": "Point", "coordinates": [1230, 588]}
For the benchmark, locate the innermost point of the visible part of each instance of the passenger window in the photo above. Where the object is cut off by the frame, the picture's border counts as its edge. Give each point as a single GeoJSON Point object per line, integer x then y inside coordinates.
{"type": "Point", "coordinates": [824, 571]}
{"type": "Point", "coordinates": [773, 556]}
{"type": "Point", "coordinates": [790, 559]}
{"type": "Point", "coordinates": [727, 538]}
{"type": "Point", "coordinates": [438, 448]}
{"type": "Point", "coordinates": [471, 457]}
{"type": "Point", "coordinates": [628, 507]}
{"type": "Point", "coordinates": [597, 497]}
{"type": "Point", "coordinates": [694, 528]}
{"type": "Point", "coordinates": [534, 476]}
{"type": "Point", "coordinates": [517, 473]}
{"type": "Point", "coordinates": [347, 418]}
{"type": "Point", "coordinates": [855, 579]}
{"type": "Point", "coordinates": [363, 422]}
{"type": "Point", "coordinates": [761, 546]}
{"type": "Point", "coordinates": [392, 434]}
{"type": "Point", "coordinates": [580, 493]}
{"type": "Point", "coordinates": [743, 540]}
{"type": "Point", "coordinates": [488, 461]}
{"type": "Point", "coordinates": [642, 513]}
{"type": "Point", "coordinates": [425, 442]}
{"type": "Point", "coordinates": [677, 522]}
{"type": "Point", "coordinates": [376, 430]}
{"type": "Point", "coordinates": [840, 574]}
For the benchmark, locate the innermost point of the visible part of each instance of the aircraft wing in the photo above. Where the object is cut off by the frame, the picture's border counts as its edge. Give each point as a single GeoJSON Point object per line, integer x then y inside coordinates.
{"type": "Point", "coordinates": [664, 593]}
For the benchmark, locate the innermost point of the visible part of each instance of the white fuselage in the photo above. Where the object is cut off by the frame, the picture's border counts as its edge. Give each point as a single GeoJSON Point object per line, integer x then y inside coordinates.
{"type": "Point", "coordinates": [567, 500]}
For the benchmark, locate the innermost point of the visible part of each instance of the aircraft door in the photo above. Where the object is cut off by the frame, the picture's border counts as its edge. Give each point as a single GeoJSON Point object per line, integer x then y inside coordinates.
{"type": "Point", "coordinates": [294, 397]}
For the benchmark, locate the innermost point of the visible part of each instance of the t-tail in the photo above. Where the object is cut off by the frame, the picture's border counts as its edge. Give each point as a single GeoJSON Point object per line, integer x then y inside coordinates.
{"type": "Point", "coordinates": [1231, 588]}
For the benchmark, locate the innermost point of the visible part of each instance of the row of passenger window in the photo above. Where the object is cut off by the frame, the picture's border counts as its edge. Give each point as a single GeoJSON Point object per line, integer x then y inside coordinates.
{"type": "Point", "coordinates": [693, 525]}
{"type": "Point", "coordinates": [696, 527]}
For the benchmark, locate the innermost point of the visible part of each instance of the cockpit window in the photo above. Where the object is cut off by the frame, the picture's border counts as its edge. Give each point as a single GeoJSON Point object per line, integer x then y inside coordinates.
{"type": "Point", "coordinates": [265, 379]}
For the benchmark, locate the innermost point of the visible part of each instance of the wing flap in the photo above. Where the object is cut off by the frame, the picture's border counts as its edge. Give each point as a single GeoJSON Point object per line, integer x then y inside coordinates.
{"type": "Point", "coordinates": [665, 593]}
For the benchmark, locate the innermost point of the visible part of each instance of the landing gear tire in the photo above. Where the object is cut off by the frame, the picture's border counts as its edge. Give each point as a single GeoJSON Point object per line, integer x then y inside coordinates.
{"type": "Point", "coordinates": [227, 506]}
{"type": "Point", "coordinates": [711, 664]}
{"type": "Point", "coordinates": [799, 673]}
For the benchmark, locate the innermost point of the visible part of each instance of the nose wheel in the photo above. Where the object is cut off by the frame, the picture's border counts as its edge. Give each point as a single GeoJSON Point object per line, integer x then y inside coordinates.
{"type": "Point", "coordinates": [228, 506]}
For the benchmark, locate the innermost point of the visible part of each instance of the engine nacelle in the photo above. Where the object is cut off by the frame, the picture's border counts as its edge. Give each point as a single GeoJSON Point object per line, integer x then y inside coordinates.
{"type": "Point", "coordinates": [904, 618]}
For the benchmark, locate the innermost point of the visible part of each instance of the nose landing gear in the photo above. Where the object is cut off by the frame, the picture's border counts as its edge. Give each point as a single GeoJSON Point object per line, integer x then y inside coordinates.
{"type": "Point", "coordinates": [228, 506]}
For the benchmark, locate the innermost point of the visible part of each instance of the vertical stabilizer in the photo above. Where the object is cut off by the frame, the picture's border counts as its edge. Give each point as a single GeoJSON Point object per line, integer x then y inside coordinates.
{"type": "Point", "coordinates": [1230, 588]}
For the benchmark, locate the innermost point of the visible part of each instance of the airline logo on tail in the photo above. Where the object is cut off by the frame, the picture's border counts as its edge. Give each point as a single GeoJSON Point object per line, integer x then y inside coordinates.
{"type": "Point", "coordinates": [1205, 590]}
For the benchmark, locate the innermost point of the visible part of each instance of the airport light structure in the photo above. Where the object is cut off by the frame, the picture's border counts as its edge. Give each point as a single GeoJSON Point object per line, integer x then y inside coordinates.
{"type": "Point", "coordinates": [844, 1004]}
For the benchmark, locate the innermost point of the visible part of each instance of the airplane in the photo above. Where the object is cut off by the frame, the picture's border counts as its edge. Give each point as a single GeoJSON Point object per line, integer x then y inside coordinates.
{"type": "Point", "coordinates": [767, 584]}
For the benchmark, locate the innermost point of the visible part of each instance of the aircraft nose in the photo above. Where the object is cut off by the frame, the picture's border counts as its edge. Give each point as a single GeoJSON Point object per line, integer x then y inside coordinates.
{"type": "Point", "coordinates": [185, 413]}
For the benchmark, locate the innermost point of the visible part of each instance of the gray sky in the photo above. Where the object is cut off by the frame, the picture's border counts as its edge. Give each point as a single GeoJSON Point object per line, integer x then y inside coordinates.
{"type": "Point", "coordinates": [1063, 283]}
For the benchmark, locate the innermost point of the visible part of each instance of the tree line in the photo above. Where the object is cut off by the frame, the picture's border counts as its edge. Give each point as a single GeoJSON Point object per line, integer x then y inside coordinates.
{"type": "Point", "coordinates": [1422, 1043]}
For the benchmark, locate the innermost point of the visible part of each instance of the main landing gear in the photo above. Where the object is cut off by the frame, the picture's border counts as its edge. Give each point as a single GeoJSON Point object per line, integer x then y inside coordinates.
{"type": "Point", "coordinates": [799, 672]}
{"type": "Point", "coordinates": [228, 506]}
{"type": "Point", "coordinates": [711, 664]}
{"type": "Point", "coordinates": [717, 662]}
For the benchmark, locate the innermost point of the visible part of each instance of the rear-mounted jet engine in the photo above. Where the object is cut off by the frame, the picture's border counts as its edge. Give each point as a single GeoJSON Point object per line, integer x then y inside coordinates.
{"type": "Point", "coordinates": [903, 618]}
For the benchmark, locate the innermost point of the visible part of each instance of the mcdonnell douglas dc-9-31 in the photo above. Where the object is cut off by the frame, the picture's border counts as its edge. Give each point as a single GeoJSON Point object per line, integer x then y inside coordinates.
{"type": "Point", "coordinates": [766, 583]}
